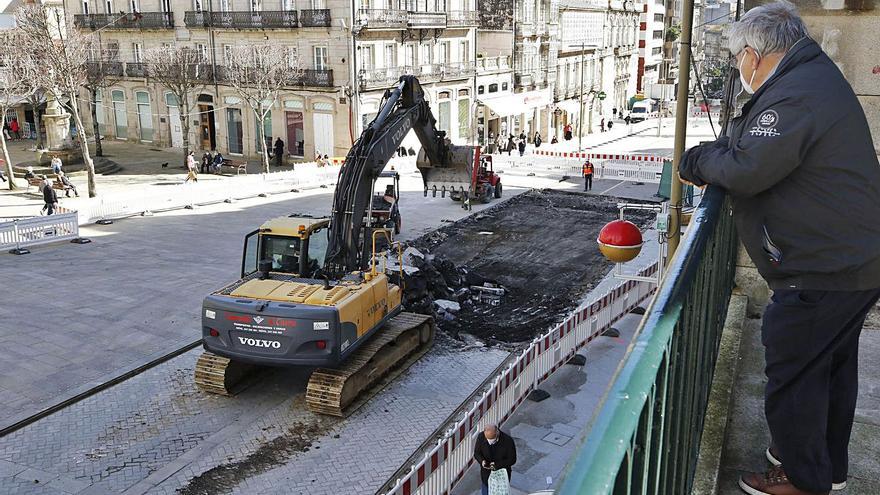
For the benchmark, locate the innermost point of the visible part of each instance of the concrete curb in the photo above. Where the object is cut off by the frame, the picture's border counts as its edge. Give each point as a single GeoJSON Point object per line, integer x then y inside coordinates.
{"type": "Point", "coordinates": [718, 411]}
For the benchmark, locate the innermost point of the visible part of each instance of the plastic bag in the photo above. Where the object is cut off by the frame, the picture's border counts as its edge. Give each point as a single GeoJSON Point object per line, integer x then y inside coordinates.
{"type": "Point", "coordinates": [498, 482]}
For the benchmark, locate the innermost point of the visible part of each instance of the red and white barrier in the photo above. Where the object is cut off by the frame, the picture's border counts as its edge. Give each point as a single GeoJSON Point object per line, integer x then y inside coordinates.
{"type": "Point", "coordinates": [600, 155]}
{"type": "Point", "coordinates": [445, 464]}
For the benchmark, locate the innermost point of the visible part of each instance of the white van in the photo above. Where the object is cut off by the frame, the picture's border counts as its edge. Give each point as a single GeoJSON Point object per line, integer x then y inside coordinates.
{"type": "Point", "coordinates": [643, 110]}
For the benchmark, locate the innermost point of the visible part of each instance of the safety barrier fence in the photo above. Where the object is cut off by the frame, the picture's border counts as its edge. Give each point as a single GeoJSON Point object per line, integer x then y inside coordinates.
{"type": "Point", "coordinates": [26, 232]}
{"type": "Point", "coordinates": [192, 194]}
{"type": "Point", "coordinates": [646, 433]}
{"type": "Point", "coordinates": [445, 463]}
{"type": "Point", "coordinates": [619, 166]}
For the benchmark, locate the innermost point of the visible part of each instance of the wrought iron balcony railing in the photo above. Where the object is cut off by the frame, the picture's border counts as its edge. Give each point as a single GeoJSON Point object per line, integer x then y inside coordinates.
{"type": "Point", "coordinates": [134, 20]}
{"type": "Point", "coordinates": [136, 69]}
{"type": "Point", "coordinates": [426, 20]}
{"type": "Point", "coordinates": [314, 18]}
{"type": "Point", "coordinates": [267, 19]}
{"type": "Point", "coordinates": [113, 69]}
{"type": "Point", "coordinates": [382, 18]}
{"type": "Point", "coordinates": [462, 18]}
{"type": "Point", "coordinates": [315, 77]}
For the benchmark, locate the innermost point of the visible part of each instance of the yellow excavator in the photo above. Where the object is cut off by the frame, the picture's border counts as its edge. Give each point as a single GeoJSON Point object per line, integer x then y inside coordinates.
{"type": "Point", "coordinates": [312, 292]}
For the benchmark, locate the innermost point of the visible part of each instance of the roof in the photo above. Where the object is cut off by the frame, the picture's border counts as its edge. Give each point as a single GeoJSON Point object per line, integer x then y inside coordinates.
{"type": "Point", "coordinates": [289, 226]}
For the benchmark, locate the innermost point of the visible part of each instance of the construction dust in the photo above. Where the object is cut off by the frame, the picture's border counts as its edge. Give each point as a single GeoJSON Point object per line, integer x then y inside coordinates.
{"type": "Point", "coordinates": [508, 273]}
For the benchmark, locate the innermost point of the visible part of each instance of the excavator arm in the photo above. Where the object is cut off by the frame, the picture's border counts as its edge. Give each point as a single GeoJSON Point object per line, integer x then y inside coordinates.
{"type": "Point", "coordinates": [404, 108]}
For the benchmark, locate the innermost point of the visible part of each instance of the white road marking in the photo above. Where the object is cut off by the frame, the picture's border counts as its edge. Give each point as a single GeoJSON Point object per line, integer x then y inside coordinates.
{"type": "Point", "coordinates": [610, 188]}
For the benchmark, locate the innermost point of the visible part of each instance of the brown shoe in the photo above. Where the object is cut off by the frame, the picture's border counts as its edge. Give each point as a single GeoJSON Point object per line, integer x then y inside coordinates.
{"type": "Point", "coordinates": [774, 459]}
{"type": "Point", "coordinates": [773, 482]}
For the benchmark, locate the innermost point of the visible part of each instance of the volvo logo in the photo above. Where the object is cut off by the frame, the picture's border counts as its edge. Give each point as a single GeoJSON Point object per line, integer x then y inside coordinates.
{"type": "Point", "coordinates": [260, 343]}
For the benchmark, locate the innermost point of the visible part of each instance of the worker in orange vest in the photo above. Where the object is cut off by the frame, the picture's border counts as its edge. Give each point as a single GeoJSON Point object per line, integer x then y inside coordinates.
{"type": "Point", "coordinates": [588, 175]}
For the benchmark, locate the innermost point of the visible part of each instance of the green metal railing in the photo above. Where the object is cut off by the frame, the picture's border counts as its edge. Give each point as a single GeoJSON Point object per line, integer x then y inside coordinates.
{"type": "Point", "coordinates": [646, 435]}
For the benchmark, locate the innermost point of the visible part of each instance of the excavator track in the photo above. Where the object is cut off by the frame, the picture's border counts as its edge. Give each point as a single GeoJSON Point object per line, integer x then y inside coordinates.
{"type": "Point", "coordinates": [220, 375]}
{"type": "Point", "coordinates": [401, 342]}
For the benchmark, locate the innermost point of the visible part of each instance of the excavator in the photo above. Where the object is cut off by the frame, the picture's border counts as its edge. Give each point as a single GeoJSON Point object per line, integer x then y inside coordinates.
{"type": "Point", "coordinates": [311, 291]}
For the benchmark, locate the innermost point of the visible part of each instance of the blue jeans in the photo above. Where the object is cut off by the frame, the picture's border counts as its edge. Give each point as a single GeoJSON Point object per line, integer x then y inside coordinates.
{"type": "Point", "coordinates": [484, 489]}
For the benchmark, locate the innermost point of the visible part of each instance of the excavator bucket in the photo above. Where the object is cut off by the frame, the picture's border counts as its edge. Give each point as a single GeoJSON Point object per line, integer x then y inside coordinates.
{"type": "Point", "coordinates": [457, 177]}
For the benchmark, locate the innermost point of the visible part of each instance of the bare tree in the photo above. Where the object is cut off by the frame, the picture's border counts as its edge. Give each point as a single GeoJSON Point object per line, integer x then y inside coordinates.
{"type": "Point", "coordinates": [17, 71]}
{"type": "Point", "coordinates": [36, 99]}
{"type": "Point", "coordinates": [257, 73]}
{"type": "Point", "coordinates": [101, 73]}
{"type": "Point", "coordinates": [182, 70]}
{"type": "Point", "coordinates": [63, 54]}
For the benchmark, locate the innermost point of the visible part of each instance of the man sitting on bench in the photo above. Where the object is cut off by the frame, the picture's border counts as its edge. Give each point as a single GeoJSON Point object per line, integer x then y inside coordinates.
{"type": "Point", "coordinates": [68, 186]}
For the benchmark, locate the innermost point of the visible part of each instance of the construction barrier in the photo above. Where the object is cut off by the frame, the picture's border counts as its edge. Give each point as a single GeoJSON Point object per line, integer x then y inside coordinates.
{"type": "Point", "coordinates": [443, 465]}
{"type": "Point", "coordinates": [26, 232]}
{"type": "Point", "coordinates": [619, 166]}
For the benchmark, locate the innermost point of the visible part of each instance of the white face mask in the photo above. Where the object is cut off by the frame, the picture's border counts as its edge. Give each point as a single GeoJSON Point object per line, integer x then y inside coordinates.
{"type": "Point", "coordinates": [747, 86]}
{"type": "Point", "coordinates": [493, 441]}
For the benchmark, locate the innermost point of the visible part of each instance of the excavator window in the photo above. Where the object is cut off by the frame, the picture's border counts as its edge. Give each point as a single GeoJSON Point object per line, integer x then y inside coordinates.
{"type": "Point", "coordinates": [284, 253]}
{"type": "Point", "coordinates": [317, 246]}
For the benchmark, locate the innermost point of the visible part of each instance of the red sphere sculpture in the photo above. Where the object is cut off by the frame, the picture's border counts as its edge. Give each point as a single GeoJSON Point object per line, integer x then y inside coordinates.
{"type": "Point", "coordinates": [620, 241]}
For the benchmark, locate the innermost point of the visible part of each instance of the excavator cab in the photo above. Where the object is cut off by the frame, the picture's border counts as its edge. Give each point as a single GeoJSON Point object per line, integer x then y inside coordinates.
{"type": "Point", "coordinates": [289, 245]}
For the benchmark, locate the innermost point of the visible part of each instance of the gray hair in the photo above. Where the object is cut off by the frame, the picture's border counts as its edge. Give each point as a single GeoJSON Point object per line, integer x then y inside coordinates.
{"type": "Point", "coordinates": [770, 28]}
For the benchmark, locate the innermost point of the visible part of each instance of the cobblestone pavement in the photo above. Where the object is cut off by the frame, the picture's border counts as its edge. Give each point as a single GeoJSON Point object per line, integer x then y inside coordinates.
{"type": "Point", "coordinates": [79, 315]}
{"type": "Point", "coordinates": [157, 433]}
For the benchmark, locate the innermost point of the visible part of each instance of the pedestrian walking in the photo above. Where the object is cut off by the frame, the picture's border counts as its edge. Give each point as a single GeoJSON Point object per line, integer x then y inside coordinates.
{"type": "Point", "coordinates": [801, 169]}
{"type": "Point", "coordinates": [50, 199]}
{"type": "Point", "coordinates": [554, 140]}
{"type": "Point", "coordinates": [522, 147]}
{"type": "Point", "coordinates": [510, 144]}
{"type": "Point", "coordinates": [537, 140]}
{"type": "Point", "coordinates": [602, 125]}
{"type": "Point", "coordinates": [494, 451]}
{"type": "Point", "coordinates": [207, 160]}
{"type": "Point", "coordinates": [68, 185]}
{"type": "Point", "coordinates": [610, 124]}
{"type": "Point", "coordinates": [56, 165]}
{"type": "Point", "coordinates": [588, 175]}
{"type": "Point", "coordinates": [627, 119]}
{"type": "Point", "coordinates": [567, 132]}
{"type": "Point", "coordinates": [522, 136]}
{"type": "Point", "coordinates": [29, 173]}
{"type": "Point", "coordinates": [7, 132]}
{"type": "Point", "coordinates": [192, 173]}
{"type": "Point", "coordinates": [279, 152]}
{"type": "Point", "coordinates": [499, 143]}
{"type": "Point", "coordinates": [16, 130]}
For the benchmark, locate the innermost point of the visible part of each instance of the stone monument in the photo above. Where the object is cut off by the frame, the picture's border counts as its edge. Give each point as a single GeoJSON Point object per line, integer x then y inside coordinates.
{"type": "Point", "coordinates": [58, 139]}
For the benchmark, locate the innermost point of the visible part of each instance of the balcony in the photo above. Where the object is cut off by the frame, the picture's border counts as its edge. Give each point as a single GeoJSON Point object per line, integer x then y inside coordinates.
{"type": "Point", "coordinates": [273, 19]}
{"type": "Point", "coordinates": [382, 18]}
{"type": "Point", "coordinates": [139, 20]}
{"type": "Point", "coordinates": [462, 18]}
{"type": "Point", "coordinates": [426, 20]}
{"type": "Point", "coordinates": [316, 77]}
{"type": "Point", "coordinates": [382, 78]}
{"type": "Point", "coordinates": [457, 70]}
{"type": "Point", "coordinates": [488, 65]}
{"type": "Point", "coordinates": [136, 69]}
{"type": "Point", "coordinates": [495, 21]}
{"type": "Point", "coordinates": [97, 69]}
{"type": "Point", "coordinates": [314, 18]}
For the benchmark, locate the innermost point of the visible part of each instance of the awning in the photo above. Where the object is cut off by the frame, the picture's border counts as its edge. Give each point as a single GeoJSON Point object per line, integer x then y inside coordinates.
{"type": "Point", "coordinates": [571, 106]}
{"type": "Point", "coordinates": [517, 103]}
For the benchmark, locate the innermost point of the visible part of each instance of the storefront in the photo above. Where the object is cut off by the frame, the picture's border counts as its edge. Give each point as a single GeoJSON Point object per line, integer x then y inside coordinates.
{"type": "Point", "coordinates": [516, 113]}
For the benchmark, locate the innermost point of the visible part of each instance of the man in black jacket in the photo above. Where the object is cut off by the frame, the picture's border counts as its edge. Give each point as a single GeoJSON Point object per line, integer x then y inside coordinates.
{"type": "Point", "coordinates": [49, 196]}
{"type": "Point", "coordinates": [493, 450]}
{"type": "Point", "coordinates": [801, 168]}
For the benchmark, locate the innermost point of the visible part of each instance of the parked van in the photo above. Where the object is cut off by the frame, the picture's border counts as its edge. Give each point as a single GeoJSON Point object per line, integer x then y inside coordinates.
{"type": "Point", "coordinates": [643, 110]}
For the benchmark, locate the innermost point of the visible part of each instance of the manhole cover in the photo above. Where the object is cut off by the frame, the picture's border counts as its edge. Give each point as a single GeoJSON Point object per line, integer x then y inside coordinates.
{"type": "Point", "coordinates": [556, 439]}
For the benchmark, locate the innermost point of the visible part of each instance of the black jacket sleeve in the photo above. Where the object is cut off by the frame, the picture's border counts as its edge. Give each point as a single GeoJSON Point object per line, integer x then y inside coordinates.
{"type": "Point", "coordinates": [478, 451]}
{"type": "Point", "coordinates": [771, 146]}
{"type": "Point", "coordinates": [507, 456]}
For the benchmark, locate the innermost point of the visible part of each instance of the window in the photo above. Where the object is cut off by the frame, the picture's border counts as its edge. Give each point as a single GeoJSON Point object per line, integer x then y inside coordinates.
{"type": "Point", "coordinates": [443, 56]}
{"type": "Point", "coordinates": [504, 86]}
{"type": "Point", "coordinates": [658, 34]}
{"type": "Point", "coordinates": [481, 90]}
{"type": "Point", "coordinates": [137, 52]}
{"type": "Point", "coordinates": [166, 7]}
{"type": "Point", "coordinates": [288, 5]}
{"type": "Point", "coordinates": [445, 116]}
{"type": "Point", "coordinates": [99, 112]}
{"type": "Point", "coordinates": [256, 5]}
{"type": "Point", "coordinates": [658, 17]}
{"type": "Point", "coordinates": [108, 7]}
{"type": "Point", "coordinates": [227, 52]}
{"type": "Point", "coordinates": [367, 55]}
{"type": "Point", "coordinates": [119, 114]}
{"type": "Point", "coordinates": [390, 56]}
{"type": "Point", "coordinates": [493, 88]}
{"type": "Point", "coordinates": [656, 51]}
{"type": "Point", "coordinates": [197, 5]}
{"type": "Point", "coordinates": [112, 51]}
{"type": "Point", "coordinates": [427, 57]}
{"type": "Point", "coordinates": [321, 61]}
{"type": "Point", "coordinates": [134, 6]}
{"type": "Point", "coordinates": [267, 132]}
{"type": "Point", "coordinates": [234, 130]}
{"type": "Point", "coordinates": [85, 6]}
{"type": "Point", "coordinates": [316, 4]}
{"type": "Point", "coordinates": [145, 115]}
{"type": "Point", "coordinates": [224, 5]}
{"type": "Point", "coordinates": [203, 51]}
{"type": "Point", "coordinates": [464, 118]}
{"type": "Point", "coordinates": [292, 57]}
{"type": "Point", "coordinates": [296, 141]}
{"type": "Point", "coordinates": [409, 53]}
{"type": "Point", "coordinates": [464, 51]}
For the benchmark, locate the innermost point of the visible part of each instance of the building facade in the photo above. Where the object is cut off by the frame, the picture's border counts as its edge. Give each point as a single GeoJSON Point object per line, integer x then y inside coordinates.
{"type": "Point", "coordinates": [651, 32]}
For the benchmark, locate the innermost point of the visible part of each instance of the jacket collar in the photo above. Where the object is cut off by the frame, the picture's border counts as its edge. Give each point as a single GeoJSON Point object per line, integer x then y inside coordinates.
{"type": "Point", "coordinates": [802, 51]}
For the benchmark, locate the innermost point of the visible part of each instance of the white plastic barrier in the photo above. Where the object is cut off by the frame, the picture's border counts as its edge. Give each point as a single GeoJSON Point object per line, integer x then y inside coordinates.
{"type": "Point", "coordinates": [620, 166]}
{"type": "Point", "coordinates": [188, 195]}
{"type": "Point", "coordinates": [444, 464]}
{"type": "Point", "coordinates": [27, 232]}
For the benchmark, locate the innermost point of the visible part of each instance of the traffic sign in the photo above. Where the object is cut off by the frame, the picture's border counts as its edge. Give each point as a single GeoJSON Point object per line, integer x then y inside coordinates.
{"type": "Point", "coordinates": [601, 95]}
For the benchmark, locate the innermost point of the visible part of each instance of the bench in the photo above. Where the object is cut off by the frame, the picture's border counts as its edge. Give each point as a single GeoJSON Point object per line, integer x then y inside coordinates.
{"type": "Point", "coordinates": [34, 181]}
{"type": "Point", "coordinates": [238, 166]}
{"type": "Point", "coordinates": [37, 182]}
